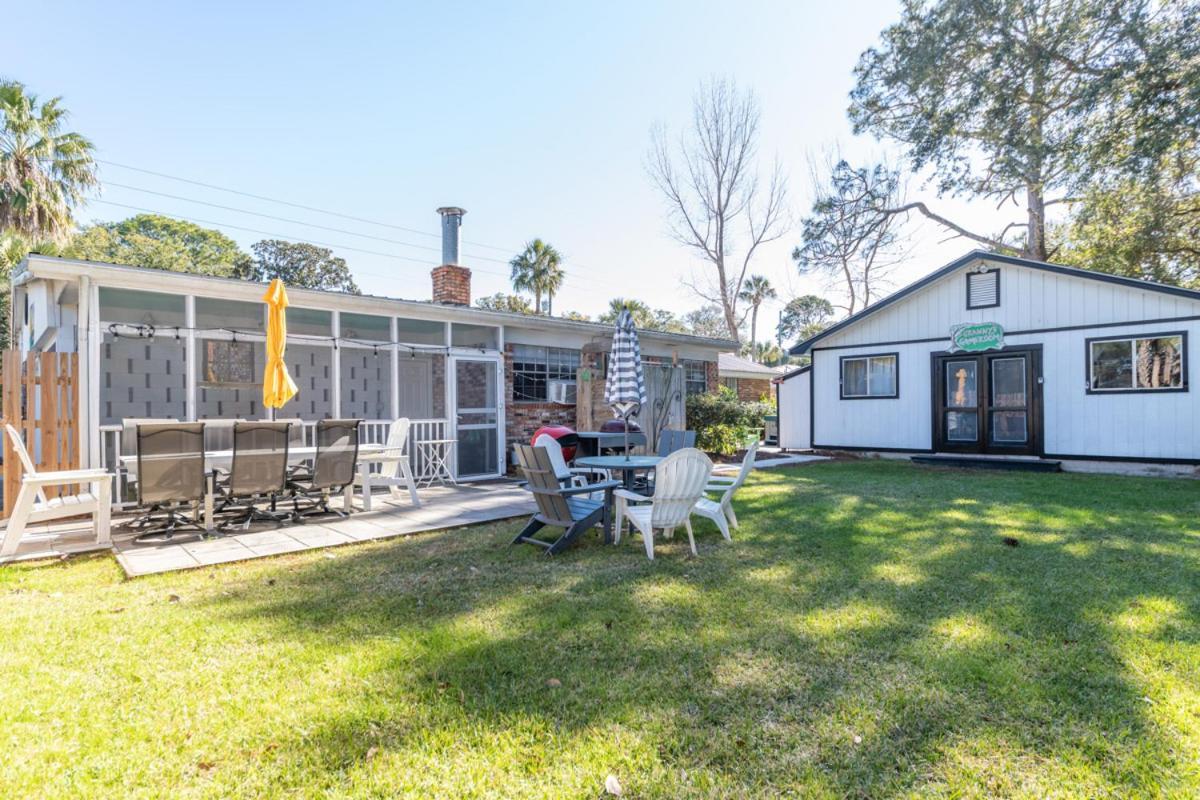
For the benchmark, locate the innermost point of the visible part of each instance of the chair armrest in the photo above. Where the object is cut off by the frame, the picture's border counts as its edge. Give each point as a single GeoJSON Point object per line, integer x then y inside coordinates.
{"type": "Point", "coordinates": [66, 476]}
{"type": "Point", "coordinates": [591, 487]}
{"type": "Point", "coordinates": [634, 496]}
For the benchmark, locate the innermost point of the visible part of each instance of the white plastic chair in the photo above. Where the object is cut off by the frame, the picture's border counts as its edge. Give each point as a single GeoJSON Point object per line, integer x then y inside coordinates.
{"type": "Point", "coordinates": [33, 506]}
{"type": "Point", "coordinates": [569, 477]}
{"type": "Point", "coordinates": [679, 481]}
{"type": "Point", "coordinates": [721, 511]}
{"type": "Point", "coordinates": [395, 456]}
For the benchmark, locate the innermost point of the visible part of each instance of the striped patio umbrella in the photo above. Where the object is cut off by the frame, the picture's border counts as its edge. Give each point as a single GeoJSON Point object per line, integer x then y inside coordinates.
{"type": "Point", "coordinates": [625, 388]}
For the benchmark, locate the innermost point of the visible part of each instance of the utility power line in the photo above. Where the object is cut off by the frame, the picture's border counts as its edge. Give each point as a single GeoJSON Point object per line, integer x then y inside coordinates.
{"type": "Point", "coordinates": [296, 205]}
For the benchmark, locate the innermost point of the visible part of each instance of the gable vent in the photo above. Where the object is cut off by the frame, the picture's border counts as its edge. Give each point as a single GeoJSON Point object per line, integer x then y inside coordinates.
{"type": "Point", "coordinates": [983, 289]}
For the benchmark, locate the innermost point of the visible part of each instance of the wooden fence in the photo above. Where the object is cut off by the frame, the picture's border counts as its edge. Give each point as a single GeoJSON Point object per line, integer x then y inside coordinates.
{"type": "Point", "coordinates": [39, 396]}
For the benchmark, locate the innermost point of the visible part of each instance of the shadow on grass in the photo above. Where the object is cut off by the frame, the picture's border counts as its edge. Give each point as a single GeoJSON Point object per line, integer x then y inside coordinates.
{"type": "Point", "coordinates": [868, 632]}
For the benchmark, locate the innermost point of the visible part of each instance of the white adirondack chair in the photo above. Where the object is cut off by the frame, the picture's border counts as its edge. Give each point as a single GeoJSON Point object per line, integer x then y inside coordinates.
{"type": "Point", "coordinates": [569, 477]}
{"type": "Point", "coordinates": [393, 459]}
{"type": "Point", "coordinates": [679, 481]}
{"type": "Point", "coordinates": [32, 505]}
{"type": "Point", "coordinates": [721, 511]}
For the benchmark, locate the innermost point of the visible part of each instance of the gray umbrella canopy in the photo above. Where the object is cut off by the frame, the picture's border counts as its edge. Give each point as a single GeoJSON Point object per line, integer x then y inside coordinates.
{"type": "Point", "coordinates": [625, 388]}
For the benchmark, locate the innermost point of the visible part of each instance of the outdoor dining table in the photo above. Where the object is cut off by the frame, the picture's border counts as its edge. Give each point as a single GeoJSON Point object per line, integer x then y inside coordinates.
{"type": "Point", "coordinates": [629, 465]}
{"type": "Point", "coordinates": [224, 458]}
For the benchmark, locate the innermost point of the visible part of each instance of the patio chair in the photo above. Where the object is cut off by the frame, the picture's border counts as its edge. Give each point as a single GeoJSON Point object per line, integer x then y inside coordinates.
{"type": "Point", "coordinates": [32, 505]}
{"type": "Point", "coordinates": [171, 477]}
{"type": "Point", "coordinates": [332, 471]}
{"type": "Point", "coordinates": [557, 505]}
{"type": "Point", "coordinates": [670, 440]}
{"type": "Point", "coordinates": [257, 474]}
{"type": "Point", "coordinates": [721, 511]}
{"type": "Point", "coordinates": [572, 477]}
{"type": "Point", "coordinates": [679, 484]}
{"type": "Point", "coordinates": [393, 458]}
{"type": "Point", "coordinates": [128, 445]}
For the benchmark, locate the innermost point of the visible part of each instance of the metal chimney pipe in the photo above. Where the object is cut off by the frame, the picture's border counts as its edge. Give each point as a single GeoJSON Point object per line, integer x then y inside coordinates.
{"type": "Point", "coordinates": [451, 222]}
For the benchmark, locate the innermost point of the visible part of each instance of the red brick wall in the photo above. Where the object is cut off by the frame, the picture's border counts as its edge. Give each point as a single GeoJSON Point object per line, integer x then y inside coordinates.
{"type": "Point", "coordinates": [452, 285]}
{"type": "Point", "coordinates": [524, 417]}
{"type": "Point", "coordinates": [751, 390]}
{"type": "Point", "coordinates": [439, 385]}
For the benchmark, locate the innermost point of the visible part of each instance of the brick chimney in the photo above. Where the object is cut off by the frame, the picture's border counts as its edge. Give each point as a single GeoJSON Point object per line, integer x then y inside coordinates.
{"type": "Point", "coordinates": [451, 281]}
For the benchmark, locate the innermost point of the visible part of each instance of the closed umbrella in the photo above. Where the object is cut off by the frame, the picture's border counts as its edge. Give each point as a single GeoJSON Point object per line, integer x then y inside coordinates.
{"type": "Point", "coordinates": [625, 388]}
{"type": "Point", "coordinates": [278, 386]}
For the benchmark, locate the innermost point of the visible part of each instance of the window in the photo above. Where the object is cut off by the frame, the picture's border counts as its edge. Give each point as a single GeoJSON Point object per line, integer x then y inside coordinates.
{"type": "Point", "coordinates": [983, 289]}
{"type": "Point", "coordinates": [216, 314]}
{"type": "Point", "coordinates": [695, 377]}
{"type": "Point", "coordinates": [870, 376]}
{"type": "Point", "coordinates": [365, 327]}
{"type": "Point", "coordinates": [535, 367]}
{"type": "Point", "coordinates": [1153, 363]}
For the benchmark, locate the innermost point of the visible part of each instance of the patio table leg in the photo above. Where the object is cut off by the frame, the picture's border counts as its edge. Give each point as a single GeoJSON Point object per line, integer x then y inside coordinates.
{"type": "Point", "coordinates": [348, 497]}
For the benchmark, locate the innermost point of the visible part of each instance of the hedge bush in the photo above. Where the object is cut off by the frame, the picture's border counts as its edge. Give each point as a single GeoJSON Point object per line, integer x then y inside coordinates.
{"type": "Point", "coordinates": [722, 422]}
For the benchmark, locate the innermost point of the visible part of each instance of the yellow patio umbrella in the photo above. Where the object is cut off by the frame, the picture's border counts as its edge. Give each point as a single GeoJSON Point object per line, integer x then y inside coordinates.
{"type": "Point", "coordinates": [278, 386]}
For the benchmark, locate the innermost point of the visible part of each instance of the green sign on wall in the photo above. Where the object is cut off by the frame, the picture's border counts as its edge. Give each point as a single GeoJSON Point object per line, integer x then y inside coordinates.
{"type": "Point", "coordinates": [976, 337]}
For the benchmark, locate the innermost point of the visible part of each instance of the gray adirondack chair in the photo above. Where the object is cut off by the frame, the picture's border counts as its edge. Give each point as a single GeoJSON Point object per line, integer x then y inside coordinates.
{"type": "Point", "coordinates": [559, 506]}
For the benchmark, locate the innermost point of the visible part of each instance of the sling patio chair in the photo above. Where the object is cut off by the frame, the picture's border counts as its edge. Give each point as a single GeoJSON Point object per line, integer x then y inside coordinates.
{"type": "Point", "coordinates": [171, 478]}
{"type": "Point", "coordinates": [670, 440]}
{"type": "Point", "coordinates": [257, 474]}
{"type": "Point", "coordinates": [559, 506]}
{"type": "Point", "coordinates": [679, 484]}
{"type": "Point", "coordinates": [33, 506]}
{"type": "Point", "coordinates": [392, 459]}
{"type": "Point", "coordinates": [332, 471]}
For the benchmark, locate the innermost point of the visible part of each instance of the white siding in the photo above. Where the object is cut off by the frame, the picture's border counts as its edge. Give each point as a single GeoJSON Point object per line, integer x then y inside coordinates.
{"type": "Point", "coordinates": [1029, 299]}
{"type": "Point", "coordinates": [794, 420]}
{"type": "Point", "coordinates": [1135, 425]}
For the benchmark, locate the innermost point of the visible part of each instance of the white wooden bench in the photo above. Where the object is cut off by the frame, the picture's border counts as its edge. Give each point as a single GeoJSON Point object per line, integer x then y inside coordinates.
{"type": "Point", "coordinates": [32, 506]}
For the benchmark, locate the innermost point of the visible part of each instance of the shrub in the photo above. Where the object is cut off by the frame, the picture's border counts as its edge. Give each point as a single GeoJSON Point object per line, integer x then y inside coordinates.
{"type": "Point", "coordinates": [722, 422]}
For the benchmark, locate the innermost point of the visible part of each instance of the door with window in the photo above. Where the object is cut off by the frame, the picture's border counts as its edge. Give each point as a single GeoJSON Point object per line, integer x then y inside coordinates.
{"type": "Point", "coordinates": [988, 402]}
{"type": "Point", "coordinates": [475, 398]}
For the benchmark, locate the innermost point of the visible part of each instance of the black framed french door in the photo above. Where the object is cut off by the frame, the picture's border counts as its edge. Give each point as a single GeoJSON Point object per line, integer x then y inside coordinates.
{"type": "Point", "coordinates": [988, 402]}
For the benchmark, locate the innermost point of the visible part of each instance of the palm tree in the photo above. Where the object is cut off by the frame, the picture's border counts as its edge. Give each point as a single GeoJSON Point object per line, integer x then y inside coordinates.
{"type": "Point", "coordinates": [755, 291]}
{"type": "Point", "coordinates": [44, 171]}
{"type": "Point", "coordinates": [538, 269]}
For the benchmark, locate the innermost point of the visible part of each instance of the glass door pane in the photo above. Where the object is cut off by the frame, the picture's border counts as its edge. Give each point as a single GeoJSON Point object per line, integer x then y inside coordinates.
{"type": "Point", "coordinates": [476, 417]}
{"type": "Point", "coordinates": [1009, 401]}
{"type": "Point", "coordinates": [962, 392]}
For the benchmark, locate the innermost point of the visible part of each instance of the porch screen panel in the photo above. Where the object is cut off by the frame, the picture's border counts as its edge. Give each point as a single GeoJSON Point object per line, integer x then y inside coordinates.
{"type": "Point", "coordinates": [366, 383]}
{"type": "Point", "coordinates": [311, 367]}
{"type": "Point", "coordinates": [142, 378]}
{"type": "Point", "coordinates": [229, 379]}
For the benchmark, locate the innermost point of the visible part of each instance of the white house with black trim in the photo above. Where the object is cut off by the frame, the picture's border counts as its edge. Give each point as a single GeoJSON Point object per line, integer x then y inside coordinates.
{"type": "Point", "coordinates": [993, 356]}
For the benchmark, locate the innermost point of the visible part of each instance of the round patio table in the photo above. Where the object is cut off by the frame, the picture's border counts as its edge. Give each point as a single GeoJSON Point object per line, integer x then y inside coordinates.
{"type": "Point", "coordinates": [628, 465]}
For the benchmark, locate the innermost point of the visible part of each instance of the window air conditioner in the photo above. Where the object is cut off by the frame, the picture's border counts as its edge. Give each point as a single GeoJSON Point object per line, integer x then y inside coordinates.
{"type": "Point", "coordinates": [562, 392]}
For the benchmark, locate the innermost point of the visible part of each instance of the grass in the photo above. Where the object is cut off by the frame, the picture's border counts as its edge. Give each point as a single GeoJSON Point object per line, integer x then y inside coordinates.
{"type": "Point", "coordinates": [867, 634]}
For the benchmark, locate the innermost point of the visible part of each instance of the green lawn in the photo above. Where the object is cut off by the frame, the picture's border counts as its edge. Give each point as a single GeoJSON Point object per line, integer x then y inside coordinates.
{"type": "Point", "coordinates": [867, 634]}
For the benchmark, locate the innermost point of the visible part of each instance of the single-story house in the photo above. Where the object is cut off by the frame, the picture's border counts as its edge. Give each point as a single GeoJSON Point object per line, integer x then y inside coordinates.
{"type": "Point", "coordinates": [158, 344]}
{"type": "Point", "coordinates": [749, 380]}
{"type": "Point", "coordinates": [998, 357]}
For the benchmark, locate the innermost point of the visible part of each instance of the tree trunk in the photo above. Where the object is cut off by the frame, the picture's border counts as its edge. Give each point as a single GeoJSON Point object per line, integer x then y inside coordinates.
{"type": "Point", "coordinates": [730, 319]}
{"type": "Point", "coordinates": [1035, 243]}
{"type": "Point", "coordinates": [550, 304]}
{"type": "Point", "coordinates": [753, 330]}
{"type": "Point", "coordinates": [537, 301]}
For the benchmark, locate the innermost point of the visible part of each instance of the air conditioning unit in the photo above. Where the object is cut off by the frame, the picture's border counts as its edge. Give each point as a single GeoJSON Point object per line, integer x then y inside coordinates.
{"type": "Point", "coordinates": [562, 392]}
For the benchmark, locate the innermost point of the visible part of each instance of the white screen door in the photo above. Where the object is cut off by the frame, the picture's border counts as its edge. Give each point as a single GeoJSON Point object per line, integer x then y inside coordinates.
{"type": "Point", "coordinates": [477, 411]}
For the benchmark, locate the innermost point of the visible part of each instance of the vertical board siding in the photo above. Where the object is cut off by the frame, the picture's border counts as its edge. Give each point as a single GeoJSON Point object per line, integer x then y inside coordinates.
{"type": "Point", "coordinates": [794, 413]}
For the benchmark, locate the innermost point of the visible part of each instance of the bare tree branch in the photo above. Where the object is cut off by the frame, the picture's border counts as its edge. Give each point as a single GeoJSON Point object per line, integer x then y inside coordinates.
{"type": "Point", "coordinates": [710, 182]}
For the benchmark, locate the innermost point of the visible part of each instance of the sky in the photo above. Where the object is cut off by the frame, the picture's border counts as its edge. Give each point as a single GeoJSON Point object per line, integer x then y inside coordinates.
{"type": "Point", "coordinates": [535, 117]}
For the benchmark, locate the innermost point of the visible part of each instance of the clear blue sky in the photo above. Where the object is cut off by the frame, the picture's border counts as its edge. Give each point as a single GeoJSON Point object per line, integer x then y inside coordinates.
{"type": "Point", "coordinates": [533, 117]}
